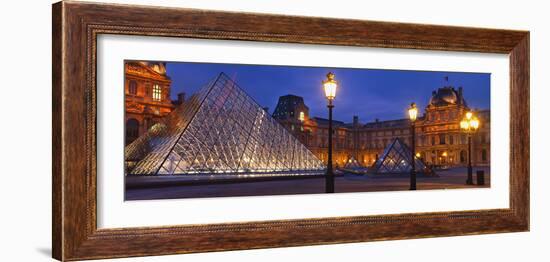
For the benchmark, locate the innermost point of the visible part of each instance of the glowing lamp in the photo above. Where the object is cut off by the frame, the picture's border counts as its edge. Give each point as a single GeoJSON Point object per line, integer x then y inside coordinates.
{"type": "Point", "coordinates": [464, 124]}
{"type": "Point", "coordinates": [468, 115]}
{"type": "Point", "coordinates": [474, 123]}
{"type": "Point", "coordinates": [413, 112]}
{"type": "Point", "coordinates": [330, 86]}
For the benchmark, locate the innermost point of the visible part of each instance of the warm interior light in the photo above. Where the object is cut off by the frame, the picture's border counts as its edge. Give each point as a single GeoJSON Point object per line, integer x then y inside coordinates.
{"type": "Point", "coordinates": [302, 116]}
{"type": "Point", "coordinates": [157, 93]}
{"type": "Point", "coordinates": [444, 154]}
{"type": "Point", "coordinates": [413, 112]}
{"type": "Point", "coordinates": [468, 115]}
{"type": "Point", "coordinates": [417, 155]}
{"type": "Point", "coordinates": [330, 86]}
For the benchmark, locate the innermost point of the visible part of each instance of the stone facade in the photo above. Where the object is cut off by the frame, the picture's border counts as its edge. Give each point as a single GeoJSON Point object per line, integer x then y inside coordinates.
{"type": "Point", "coordinates": [440, 142]}
{"type": "Point", "coordinates": [147, 97]}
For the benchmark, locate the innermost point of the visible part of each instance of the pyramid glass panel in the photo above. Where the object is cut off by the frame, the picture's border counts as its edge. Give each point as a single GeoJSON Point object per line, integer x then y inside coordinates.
{"type": "Point", "coordinates": [220, 129]}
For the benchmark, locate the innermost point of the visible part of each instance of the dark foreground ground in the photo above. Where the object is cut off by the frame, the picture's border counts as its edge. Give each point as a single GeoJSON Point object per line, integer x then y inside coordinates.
{"type": "Point", "coordinates": [448, 179]}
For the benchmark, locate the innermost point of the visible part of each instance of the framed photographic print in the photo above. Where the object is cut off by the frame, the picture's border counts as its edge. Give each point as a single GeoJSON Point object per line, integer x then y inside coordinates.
{"type": "Point", "coordinates": [194, 131]}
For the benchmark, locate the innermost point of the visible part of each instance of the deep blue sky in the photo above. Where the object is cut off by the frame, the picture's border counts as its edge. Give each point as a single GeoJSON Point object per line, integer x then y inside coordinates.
{"type": "Point", "coordinates": [370, 94]}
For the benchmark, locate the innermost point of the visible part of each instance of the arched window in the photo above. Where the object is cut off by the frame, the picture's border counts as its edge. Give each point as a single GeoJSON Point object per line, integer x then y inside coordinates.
{"type": "Point", "coordinates": [132, 87]}
{"type": "Point", "coordinates": [132, 130]}
{"type": "Point", "coordinates": [463, 156]}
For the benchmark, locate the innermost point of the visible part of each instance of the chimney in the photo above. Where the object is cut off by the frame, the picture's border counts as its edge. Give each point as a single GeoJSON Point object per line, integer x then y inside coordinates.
{"type": "Point", "coordinates": [266, 109]}
{"type": "Point", "coordinates": [181, 98]}
{"type": "Point", "coordinates": [376, 120]}
{"type": "Point", "coordinates": [460, 97]}
{"type": "Point", "coordinates": [355, 120]}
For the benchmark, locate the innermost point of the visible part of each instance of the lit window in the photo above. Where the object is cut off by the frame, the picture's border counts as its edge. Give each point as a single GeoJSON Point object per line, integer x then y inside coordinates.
{"type": "Point", "coordinates": [302, 116]}
{"type": "Point", "coordinates": [157, 93]}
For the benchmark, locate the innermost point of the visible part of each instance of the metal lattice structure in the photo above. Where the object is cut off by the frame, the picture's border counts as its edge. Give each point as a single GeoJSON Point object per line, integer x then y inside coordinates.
{"type": "Point", "coordinates": [396, 159]}
{"type": "Point", "coordinates": [220, 130]}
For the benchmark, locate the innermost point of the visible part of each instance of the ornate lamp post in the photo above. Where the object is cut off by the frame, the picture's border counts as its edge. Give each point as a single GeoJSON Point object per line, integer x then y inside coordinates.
{"type": "Point", "coordinates": [413, 112]}
{"type": "Point", "coordinates": [469, 125]}
{"type": "Point", "coordinates": [330, 86]}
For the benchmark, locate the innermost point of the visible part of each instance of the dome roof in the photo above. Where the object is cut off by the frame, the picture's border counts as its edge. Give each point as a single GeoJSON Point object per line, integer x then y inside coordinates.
{"type": "Point", "coordinates": [446, 96]}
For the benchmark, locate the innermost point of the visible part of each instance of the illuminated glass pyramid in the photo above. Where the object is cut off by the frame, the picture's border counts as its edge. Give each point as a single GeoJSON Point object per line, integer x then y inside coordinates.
{"type": "Point", "coordinates": [397, 159]}
{"type": "Point", "coordinates": [219, 130]}
{"type": "Point", "coordinates": [352, 163]}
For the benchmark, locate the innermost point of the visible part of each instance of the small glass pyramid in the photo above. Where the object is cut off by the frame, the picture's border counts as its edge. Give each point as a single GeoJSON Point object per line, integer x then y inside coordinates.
{"type": "Point", "coordinates": [397, 159]}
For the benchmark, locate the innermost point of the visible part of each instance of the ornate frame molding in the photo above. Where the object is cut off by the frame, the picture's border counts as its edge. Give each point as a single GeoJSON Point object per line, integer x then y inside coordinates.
{"type": "Point", "coordinates": [76, 26]}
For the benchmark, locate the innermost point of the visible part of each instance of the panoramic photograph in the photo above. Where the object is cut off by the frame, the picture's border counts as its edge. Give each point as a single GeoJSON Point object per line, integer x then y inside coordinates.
{"type": "Point", "coordinates": [196, 130]}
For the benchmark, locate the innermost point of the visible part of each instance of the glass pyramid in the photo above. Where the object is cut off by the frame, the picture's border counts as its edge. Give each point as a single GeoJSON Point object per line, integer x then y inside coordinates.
{"type": "Point", "coordinates": [397, 159]}
{"type": "Point", "coordinates": [219, 130]}
{"type": "Point", "coordinates": [352, 163]}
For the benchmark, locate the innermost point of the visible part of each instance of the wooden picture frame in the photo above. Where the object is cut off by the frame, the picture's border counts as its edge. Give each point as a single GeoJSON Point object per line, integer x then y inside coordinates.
{"type": "Point", "coordinates": [76, 26]}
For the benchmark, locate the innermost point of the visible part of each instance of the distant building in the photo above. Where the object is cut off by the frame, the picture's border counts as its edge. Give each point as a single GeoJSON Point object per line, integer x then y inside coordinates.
{"type": "Point", "coordinates": [439, 138]}
{"type": "Point", "coordinates": [147, 96]}
{"type": "Point", "coordinates": [292, 112]}
{"type": "Point", "coordinates": [291, 107]}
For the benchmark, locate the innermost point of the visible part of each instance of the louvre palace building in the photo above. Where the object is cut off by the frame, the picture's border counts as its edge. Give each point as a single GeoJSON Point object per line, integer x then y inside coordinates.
{"type": "Point", "coordinates": [440, 141]}
{"type": "Point", "coordinates": [147, 97]}
{"type": "Point", "coordinates": [221, 129]}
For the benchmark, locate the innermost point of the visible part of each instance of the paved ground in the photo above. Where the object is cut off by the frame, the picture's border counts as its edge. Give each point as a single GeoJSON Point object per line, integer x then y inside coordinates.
{"type": "Point", "coordinates": [448, 179]}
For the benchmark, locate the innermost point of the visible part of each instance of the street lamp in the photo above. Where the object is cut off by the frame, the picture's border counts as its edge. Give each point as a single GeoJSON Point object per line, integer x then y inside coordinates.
{"type": "Point", "coordinates": [469, 125]}
{"type": "Point", "coordinates": [413, 113]}
{"type": "Point", "coordinates": [330, 86]}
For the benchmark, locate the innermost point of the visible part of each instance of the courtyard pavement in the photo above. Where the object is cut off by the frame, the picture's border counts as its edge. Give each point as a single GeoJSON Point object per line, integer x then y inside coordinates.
{"type": "Point", "coordinates": [448, 179]}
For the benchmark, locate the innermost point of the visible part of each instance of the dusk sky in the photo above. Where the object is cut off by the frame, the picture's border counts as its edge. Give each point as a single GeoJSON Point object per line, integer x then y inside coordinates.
{"type": "Point", "coordinates": [368, 93]}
